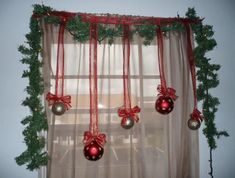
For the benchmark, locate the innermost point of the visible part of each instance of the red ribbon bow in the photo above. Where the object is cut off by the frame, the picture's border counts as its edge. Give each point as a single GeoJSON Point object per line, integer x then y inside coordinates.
{"type": "Point", "coordinates": [125, 113]}
{"type": "Point", "coordinates": [51, 98]}
{"type": "Point", "coordinates": [99, 138]}
{"type": "Point", "coordinates": [196, 114]}
{"type": "Point", "coordinates": [167, 92]}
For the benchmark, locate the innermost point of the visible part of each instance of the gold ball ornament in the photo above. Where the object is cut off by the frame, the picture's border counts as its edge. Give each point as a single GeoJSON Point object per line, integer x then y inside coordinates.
{"type": "Point", "coordinates": [127, 123]}
{"type": "Point", "coordinates": [194, 124]}
{"type": "Point", "coordinates": [58, 108]}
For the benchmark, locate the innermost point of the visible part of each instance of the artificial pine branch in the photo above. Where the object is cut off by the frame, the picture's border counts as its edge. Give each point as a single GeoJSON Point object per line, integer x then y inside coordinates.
{"type": "Point", "coordinates": [36, 122]}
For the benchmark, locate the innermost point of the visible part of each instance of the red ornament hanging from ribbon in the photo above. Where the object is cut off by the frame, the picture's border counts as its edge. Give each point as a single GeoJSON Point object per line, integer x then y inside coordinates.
{"type": "Point", "coordinates": [196, 117]}
{"type": "Point", "coordinates": [129, 115]}
{"type": "Point", "coordinates": [58, 101]}
{"type": "Point", "coordinates": [165, 101]}
{"type": "Point", "coordinates": [93, 140]}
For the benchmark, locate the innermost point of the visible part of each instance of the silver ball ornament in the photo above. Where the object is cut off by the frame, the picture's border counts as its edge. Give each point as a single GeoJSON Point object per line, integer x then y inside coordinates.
{"type": "Point", "coordinates": [194, 124]}
{"type": "Point", "coordinates": [127, 123]}
{"type": "Point", "coordinates": [58, 108]}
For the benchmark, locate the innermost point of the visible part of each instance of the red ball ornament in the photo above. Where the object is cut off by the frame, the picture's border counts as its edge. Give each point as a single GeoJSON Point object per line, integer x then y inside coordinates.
{"type": "Point", "coordinates": [93, 151]}
{"type": "Point", "coordinates": [164, 104]}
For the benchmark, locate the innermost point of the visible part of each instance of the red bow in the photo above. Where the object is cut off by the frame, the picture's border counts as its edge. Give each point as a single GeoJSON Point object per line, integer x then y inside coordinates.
{"type": "Point", "coordinates": [196, 115]}
{"type": "Point", "coordinates": [167, 92]}
{"type": "Point", "coordinates": [125, 113]}
{"type": "Point", "coordinates": [51, 98]}
{"type": "Point", "coordinates": [99, 138]}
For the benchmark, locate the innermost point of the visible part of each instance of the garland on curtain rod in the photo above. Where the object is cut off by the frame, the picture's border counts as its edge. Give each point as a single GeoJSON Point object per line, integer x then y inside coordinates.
{"type": "Point", "coordinates": [36, 122]}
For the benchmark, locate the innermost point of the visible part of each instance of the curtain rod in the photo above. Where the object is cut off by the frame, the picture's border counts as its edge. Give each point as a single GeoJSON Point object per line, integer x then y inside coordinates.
{"type": "Point", "coordinates": [118, 19]}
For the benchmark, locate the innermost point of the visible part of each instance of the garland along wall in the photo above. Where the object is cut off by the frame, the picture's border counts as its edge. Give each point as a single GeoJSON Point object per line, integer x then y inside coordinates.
{"type": "Point", "coordinates": [79, 26]}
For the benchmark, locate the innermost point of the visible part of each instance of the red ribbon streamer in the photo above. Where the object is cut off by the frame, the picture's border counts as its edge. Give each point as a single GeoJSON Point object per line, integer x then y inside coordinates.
{"type": "Point", "coordinates": [99, 138]}
{"type": "Point", "coordinates": [51, 98]}
{"type": "Point", "coordinates": [59, 91]}
{"type": "Point", "coordinates": [126, 113]}
{"type": "Point", "coordinates": [167, 92]}
{"type": "Point", "coordinates": [196, 113]}
{"type": "Point", "coordinates": [60, 60]}
{"type": "Point", "coordinates": [93, 133]}
{"type": "Point", "coordinates": [191, 63]}
{"type": "Point", "coordinates": [126, 66]}
{"type": "Point", "coordinates": [163, 89]}
{"type": "Point", "coordinates": [160, 58]}
{"type": "Point", "coordinates": [93, 79]}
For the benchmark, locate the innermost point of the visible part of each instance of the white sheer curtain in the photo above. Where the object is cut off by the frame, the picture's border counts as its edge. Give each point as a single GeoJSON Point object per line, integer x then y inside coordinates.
{"type": "Point", "coordinates": [157, 147]}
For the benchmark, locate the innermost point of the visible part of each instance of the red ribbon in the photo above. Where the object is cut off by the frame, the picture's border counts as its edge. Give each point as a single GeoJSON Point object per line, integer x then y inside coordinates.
{"type": "Point", "coordinates": [99, 138]}
{"type": "Point", "coordinates": [126, 65]}
{"type": "Point", "coordinates": [162, 88]}
{"type": "Point", "coordinates": [59, 87]}
{"type": "Point", "coordinates": [93, 128]}
{"type": "Point", "coordinates": [126, 113]}
{"type": "Point", "coordinates": [51, 98]}
{"type": "Point", "coordinates": [167, 92]}
{"type": "Point", "coordinates": [197, 115]}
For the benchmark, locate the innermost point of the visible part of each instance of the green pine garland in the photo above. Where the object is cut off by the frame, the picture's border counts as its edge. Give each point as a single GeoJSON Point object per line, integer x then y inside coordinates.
{"type": "Point", "coordinates": [33, 156]}
{"type": "Point", "coordinates": [207, 76]}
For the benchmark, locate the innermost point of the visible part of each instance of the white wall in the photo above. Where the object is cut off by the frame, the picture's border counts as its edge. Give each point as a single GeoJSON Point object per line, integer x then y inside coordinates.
{"type": "Point", "coordinates": [14, 19]}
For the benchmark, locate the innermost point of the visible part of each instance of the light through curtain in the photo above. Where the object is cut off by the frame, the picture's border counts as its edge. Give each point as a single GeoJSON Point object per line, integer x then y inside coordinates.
{"type": "Point", "coordinates": [159, 146]}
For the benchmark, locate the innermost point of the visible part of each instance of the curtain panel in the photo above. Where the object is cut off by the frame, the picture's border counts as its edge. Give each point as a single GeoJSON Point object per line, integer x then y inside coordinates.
{"type": "Point", "coordinates": [158, 146]}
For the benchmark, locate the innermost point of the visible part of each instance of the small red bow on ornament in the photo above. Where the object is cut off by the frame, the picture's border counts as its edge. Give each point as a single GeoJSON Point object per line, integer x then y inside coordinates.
{"type": "Point", "coordinates": [51, 98]}
{"type": "Point", "coordinates": [125, 113]}
{"type": "Point", "coordinates": [196, 114]}
{"type": "Point", "coordinates": [167, 92]}
{"type": "Point", "coordinates": [99, 138]}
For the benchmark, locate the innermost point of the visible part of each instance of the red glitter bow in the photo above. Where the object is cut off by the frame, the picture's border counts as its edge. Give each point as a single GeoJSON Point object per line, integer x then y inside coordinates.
{"type": "Point", "coordinates": [167, 92]}
{"type": "Point", "coordinates": [51, 98]}
{"type": "Point", "coordinates": [125, 113]}
{"type": "Point", "coordinates": [99, 138]}
{"type": "Point", "coordinates": [196, 114]}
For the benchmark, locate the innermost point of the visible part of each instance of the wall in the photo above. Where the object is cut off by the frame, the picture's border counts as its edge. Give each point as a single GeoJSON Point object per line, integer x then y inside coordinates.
{"type": "Point", "coordinates": [14, 18]}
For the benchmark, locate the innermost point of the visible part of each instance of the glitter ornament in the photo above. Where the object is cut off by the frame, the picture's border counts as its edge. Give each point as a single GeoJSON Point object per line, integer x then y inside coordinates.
{"type": "Point", "coordinates": [164, 104]}
{"type": "Point", "coordinates": [93, 151]}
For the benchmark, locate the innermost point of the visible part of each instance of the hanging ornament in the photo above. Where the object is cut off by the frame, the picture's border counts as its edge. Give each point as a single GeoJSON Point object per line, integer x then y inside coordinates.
{"type": "Point", "coordinates": [58, 101]}
{"type": "Point", "coordinates": [164, 104]}
{"type": "Point", "coordinates": [129, 115]}
{"type": "Point", "coordinates": [93, 140]}
{"type": "Point", "coordinates": [127, 123]}
{"type": "Point", "coordinates": [59, 104]}
{"type": "Point", "coordinates": [93, 149]}
{"type": "Point", "coordinates": [58, 108]}
{"type": "Point", "coordinates": [195, 120]}
{"type": "Point", "coordinates": [165, 101]}
{"type": "Point", "coordinates": [196, 117]}
{"type": "Point", "coordinates": [166, 96]}
{"type": "Point", "coordinates": [194, 124]}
